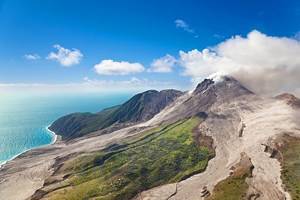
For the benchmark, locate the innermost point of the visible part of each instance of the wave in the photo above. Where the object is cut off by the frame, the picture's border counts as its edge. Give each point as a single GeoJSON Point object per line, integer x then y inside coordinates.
{"type": "Point", "coordinates": [54, 135]}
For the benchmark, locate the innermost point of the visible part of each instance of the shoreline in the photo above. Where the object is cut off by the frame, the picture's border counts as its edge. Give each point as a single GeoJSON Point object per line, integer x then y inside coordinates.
{"type": "Point", "coordinates": [53, 141]}
{"type": "Point", "coordinates": [54, 135]}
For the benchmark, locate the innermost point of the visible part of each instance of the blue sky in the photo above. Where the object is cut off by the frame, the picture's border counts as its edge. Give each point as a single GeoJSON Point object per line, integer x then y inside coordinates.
{"type": "Point", "coordinates": [135, 32]}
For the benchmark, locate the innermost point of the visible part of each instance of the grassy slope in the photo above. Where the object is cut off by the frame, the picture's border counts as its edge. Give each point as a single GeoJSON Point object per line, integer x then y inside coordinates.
{"type": "Point", "coordinates": [79, 124]}
{"type": "Point", "coordinates": [162, 156]}
{"type": "Point", "coordinates": [291, 166]}
{"type": "Point", "coordinates": [234, 187]}
{"type": "Point", "coordinates": [140, 107]}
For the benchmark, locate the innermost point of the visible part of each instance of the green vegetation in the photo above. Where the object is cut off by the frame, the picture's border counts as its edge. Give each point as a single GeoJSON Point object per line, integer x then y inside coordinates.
{"type": "Point", "coordinates": [140, 107]}
{"type": "Point", "coordinates": [234, 187]}
{"type": "Point", "coordinates": [79, 124]}
{"type": "Point", "coordinates": [163, 155]}
{"type": "Point", "coordinates": [290, 151]}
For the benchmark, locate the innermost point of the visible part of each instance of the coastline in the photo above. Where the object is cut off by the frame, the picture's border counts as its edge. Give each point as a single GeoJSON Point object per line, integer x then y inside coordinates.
{"type": "Point", "coordinates": [53, 141]}
{"type": "Point", "coordinates": [54, 135]}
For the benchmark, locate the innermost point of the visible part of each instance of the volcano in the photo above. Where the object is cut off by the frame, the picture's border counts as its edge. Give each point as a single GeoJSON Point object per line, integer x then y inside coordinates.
{"type": "Point", "coordinates": [219, 141]}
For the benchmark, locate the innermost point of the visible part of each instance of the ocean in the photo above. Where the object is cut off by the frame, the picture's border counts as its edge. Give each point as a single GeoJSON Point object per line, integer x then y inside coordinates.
{"type": "Point", "coordinates": [24, 118]}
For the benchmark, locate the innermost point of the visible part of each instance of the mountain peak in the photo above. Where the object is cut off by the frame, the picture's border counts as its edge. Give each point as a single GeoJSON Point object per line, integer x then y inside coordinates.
{"type": "Point", "coordinates": [223, 84]}
{"type": "Point", "coordinates": [145, 105]}
{"type": "Point", "coordinates": [290, 99]}
{"type": "Point", "coordinates": [217, 77]}
{"type": "Point", "coordinates": [209, 92]}
{"type": "Point", "coordinates": [204, 85]}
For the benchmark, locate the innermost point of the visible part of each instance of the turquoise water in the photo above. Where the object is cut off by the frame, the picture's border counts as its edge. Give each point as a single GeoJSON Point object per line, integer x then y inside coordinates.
{"type": "Point", "coordinates": [23, 119]}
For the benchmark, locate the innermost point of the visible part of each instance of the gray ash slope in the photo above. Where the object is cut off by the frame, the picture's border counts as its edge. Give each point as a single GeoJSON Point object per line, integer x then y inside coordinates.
{"type": "Point", "coordinates": [139, 108]}
{"type": "Point", "coordinates": [207, 93]}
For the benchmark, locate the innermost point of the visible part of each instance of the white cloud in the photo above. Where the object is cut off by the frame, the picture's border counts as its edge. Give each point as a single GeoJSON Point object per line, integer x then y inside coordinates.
{"type": "Point", "coordinates": [182, 24]}
{"type": "Point", "coordinates": [88, 85]}
{"type": "Point", "coordinates": [132, 84]}
{"type": "Point", "coordinates": [263, 63]}
{"type": "Point", "coordinates": [179, 23]}
{"type": "Point", "coordinates": [164, 64]}
{"type": "Point", "coordinates": [110, 67]}
{"type": "Point", "coordinates": [32, 56]}
{"type": "Point", "coordinates": [66, 57]}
